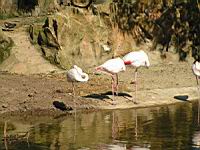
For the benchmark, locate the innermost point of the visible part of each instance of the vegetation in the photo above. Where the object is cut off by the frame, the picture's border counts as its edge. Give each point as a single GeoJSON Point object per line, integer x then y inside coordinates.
{"type": "Point", "coordinates": [173, 23]}
{"type": "Point", "coordinates": [6, 16]}
{"type": "Point", "coordinates": [168, 23]}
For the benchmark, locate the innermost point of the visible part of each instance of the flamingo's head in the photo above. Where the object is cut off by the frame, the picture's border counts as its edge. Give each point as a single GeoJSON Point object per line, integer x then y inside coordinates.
{"type": "Point", "coordinates": [75, 66]}
{"type": "Point", "coordinates": [97, 70]}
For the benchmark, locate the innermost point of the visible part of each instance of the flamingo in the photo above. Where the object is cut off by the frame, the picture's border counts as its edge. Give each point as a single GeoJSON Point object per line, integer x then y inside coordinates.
{"type": "Point", "coordinates": [196, 71]}
{"type": "Point", "coordinates": [112, 67]}
{"type": "Point", "coordinates": [136, 59]}
{"type": "Point", "coordinates": [75, 74]}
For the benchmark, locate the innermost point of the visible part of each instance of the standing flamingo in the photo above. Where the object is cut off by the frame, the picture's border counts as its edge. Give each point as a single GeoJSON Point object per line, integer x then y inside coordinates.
{"type": "Point", "coordinates": [75, 74]}
{"type": "Point", "coordinates": [136, 59]}
{"type": "Point", "coordinates": [196, 71]}
{"type": "Point", "coordinates": [112, 67]}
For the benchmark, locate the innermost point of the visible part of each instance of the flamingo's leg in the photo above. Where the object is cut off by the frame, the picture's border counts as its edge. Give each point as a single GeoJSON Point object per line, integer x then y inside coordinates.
{"type": "Point", "coordinates": [73, 89]}
{"type": "Point", "coordinates": [197, 79]}
{"type": "Point", "coordinates": [198, 98]}
{"type": "Point", "coordinates": [136, 74]}
{"type": "Point", "coordinates": [113, 86]}
{"type": "Point", "coordinates": [116, 85]}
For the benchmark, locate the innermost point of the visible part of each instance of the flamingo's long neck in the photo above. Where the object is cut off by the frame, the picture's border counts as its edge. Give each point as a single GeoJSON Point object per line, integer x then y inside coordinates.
{"type": "Point", "coordinates": [98, 68]}
{"type": "Point", "coordinates": [127, 62]}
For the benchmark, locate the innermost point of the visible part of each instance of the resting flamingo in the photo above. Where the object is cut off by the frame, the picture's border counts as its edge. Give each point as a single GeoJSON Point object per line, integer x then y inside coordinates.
{"type": "Point", "coordinates": [75, 74]}
{"type": "Point", "coordinates": [136, 59]}
{"type": "Point", "coordinates": [112, 67]}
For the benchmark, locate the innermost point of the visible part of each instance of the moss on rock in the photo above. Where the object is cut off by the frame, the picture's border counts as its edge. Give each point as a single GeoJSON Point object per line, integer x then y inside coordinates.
{"type": "Point", "coordinates": [6, 45]}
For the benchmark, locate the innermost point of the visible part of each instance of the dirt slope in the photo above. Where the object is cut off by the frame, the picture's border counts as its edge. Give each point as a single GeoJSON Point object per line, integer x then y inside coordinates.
{"type": "Point", "coordinates": [25, 58]}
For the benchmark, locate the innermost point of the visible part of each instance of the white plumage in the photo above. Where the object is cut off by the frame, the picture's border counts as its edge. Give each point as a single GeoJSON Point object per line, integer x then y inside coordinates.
{"type": "Point", "coordinates": [196, 71]}
{"type": "Point", "coordinates": [196, 68]}
{"type": "Point", "coordinates": [196, 139]}
{"type": "Point", "coordinates": [113, 67]}
{"type": "Point", "coordinates": [136, 59]}
{"type": "Point", "coordinates": [75, 74]}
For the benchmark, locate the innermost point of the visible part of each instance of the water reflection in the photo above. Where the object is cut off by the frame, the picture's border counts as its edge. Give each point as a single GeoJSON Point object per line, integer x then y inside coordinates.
{"type": "Point", "coordinates": [171, 127]}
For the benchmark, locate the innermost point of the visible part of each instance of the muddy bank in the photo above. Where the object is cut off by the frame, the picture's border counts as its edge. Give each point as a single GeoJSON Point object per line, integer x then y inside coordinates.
{"type": "Point", "coordinates": [36, 94]}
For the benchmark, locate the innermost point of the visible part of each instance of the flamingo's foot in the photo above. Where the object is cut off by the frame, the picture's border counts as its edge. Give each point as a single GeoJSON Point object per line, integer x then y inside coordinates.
{"type": "Point", "coordinates": [114, 103]}
{"type": "Point", "coordinates": [132, 100]}
{"type": "Point", "coordinates": [129, 99]}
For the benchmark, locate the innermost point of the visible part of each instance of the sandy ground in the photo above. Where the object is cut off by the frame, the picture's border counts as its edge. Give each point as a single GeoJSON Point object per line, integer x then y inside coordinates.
{"type": "Point", "coordinates": [37, 94]}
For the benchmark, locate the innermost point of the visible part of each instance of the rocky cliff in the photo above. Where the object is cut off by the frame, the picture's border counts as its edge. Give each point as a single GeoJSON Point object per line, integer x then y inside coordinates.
{"type": "Point", "coordinates": [84, 39]}
{"type": "Point", "coordinates": [11, 8]}
{"type": "Point", "coordinates": [68, 34]}
{"type": "Point", "coordinates": [6, 44]}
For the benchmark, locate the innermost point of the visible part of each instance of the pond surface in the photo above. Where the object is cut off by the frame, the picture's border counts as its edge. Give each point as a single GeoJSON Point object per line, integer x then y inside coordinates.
{"type": "Point", "coordinates": [170, 127]}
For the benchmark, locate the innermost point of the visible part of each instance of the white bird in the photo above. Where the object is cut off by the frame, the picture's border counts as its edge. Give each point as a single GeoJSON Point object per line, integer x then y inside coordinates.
{"type": "Point", "coordinates": [136, 59]}
{"type": "Point", "coordinates": [112, 67]}
{"type": "Point", "coordinates": [196, 71]}
{"type": "Point", "coordinates": [75, 74]}
{"type": "Point", "coordinates": [196, 139]}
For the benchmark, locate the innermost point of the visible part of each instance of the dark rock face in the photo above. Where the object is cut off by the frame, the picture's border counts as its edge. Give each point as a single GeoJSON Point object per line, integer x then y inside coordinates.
{"type": "Point", "coordinates": [46, 38]}
{"type": "Point", "coordinates": [51, 39]}
{"type": "Point", "coordinates": [27, 5]}
{"type": "Point", "coordinates": [5, 46]}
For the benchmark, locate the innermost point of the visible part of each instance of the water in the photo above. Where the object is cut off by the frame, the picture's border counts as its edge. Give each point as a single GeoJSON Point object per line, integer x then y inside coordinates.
{"type": "Point", "coordinates": [172, 127]}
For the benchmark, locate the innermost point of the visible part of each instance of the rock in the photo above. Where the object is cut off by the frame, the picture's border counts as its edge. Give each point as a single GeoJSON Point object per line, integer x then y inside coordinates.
{"type": "Point", "coordinates": [4, 105]}
{"type": "Point", "coordinates": [9, 25]}
{"type": "Point", "coordinates": [181, 97]}
{"type": "Point", "coordinates": [30, 95]}
{"type": "Point", "coordinates": [5, 29]}
{"type": "Point", "coordinates": [51, 39]}
{"type": "Point", "coordinates": [61, 106]}
{"type": "Point", "coordinates": [50, 54]}
{"type": "Point", "coordinates": [106, 48]}
{"type": "Point", "coordinates": [5, 46]}
{"type": "Point", "coordinates": [59, 91]}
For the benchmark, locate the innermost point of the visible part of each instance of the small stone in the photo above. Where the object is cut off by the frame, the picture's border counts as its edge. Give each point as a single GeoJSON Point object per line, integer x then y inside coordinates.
{"type": "Point", "coordinates": [5, 106]}
{"type": "Point", "coordinates": [30, 95]}
{"type": "Point", "coordinates": [59, 91]}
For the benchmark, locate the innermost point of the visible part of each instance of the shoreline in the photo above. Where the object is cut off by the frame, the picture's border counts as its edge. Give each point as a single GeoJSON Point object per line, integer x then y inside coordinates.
{"type": "Point", "coordinates": [151, 98]}
{"type": "Point", "coordinates": [36, 94]}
